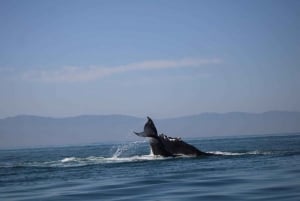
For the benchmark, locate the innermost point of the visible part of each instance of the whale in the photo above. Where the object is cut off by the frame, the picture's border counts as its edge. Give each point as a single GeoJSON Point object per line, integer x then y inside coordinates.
{"type": "Point", "coordinates": [165, 146]}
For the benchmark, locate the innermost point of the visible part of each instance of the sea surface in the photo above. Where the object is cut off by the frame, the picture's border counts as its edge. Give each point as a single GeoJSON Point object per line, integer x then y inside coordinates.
{"type": "Point", "coordinates": [244, 168]}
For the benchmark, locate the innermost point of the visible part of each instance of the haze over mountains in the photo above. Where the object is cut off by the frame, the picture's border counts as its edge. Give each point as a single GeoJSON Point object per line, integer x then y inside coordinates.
{"type": "Point", "coordinates": [26, 130]}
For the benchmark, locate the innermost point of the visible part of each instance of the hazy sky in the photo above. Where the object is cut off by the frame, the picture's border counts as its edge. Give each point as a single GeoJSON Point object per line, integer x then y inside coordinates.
{"type": "Point", "coordinates": [158, 58]}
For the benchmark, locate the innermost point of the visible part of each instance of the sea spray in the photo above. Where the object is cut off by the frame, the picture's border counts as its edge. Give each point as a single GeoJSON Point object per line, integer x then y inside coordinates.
{"type": "Point", "coordinates": [127, 149]}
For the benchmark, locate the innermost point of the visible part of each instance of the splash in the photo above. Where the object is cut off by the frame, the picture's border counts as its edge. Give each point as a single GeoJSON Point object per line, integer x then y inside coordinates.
{"type": "Point", "coordinates": [130, 147]}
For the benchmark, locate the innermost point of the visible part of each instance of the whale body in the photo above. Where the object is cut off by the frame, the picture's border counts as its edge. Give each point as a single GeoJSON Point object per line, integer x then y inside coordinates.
{"type": "Point", "coordinates": [167, 146]}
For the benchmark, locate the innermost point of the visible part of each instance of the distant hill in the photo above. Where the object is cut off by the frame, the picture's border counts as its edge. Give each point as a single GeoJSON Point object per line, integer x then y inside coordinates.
{"type": "Point", "coordinates": [28, 130]}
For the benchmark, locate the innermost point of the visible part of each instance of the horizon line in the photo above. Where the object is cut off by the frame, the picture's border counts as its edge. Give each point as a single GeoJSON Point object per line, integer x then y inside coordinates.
{"type": "Point", "coordinates": [139, 117]}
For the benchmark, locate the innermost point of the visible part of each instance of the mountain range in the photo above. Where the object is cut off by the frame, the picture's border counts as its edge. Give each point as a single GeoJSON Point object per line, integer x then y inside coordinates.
{"type": "Point", "coordinates": [31, 131]}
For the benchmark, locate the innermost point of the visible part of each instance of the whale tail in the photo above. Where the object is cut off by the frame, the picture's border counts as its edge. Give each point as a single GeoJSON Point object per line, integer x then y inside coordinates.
{"type": "Point", "coordinates": [149, 130]}
{"type": "Point", "coordinates": [141, 134]}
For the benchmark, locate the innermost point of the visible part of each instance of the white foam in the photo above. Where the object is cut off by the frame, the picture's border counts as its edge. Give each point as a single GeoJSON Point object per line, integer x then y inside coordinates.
{"type": "Point", "coordinates": [69, 159]}
{"type": "Point", "coordinates": [93, 160]}
{"type": "Point", "coordinates": [224, 153]}
{"type": "Point", "coordinates": [133, 158]}
{"type": "Point", "coordinates": [259, 152]}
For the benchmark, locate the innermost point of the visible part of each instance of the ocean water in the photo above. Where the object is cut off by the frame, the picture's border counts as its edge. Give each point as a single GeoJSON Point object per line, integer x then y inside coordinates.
{"type": "Point", "coordinates": [244, 168]}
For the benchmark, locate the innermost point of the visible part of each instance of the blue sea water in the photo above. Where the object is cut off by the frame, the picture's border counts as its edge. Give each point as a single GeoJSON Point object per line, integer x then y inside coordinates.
{"type": "Point", "coordinates": [244, 168]}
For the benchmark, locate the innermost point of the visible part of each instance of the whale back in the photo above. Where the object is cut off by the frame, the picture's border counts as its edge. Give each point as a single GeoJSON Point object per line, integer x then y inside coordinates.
{"type": "Point", "coordinates": [158, 147]}
{"type": "Point", "coordinates": [177, 146]}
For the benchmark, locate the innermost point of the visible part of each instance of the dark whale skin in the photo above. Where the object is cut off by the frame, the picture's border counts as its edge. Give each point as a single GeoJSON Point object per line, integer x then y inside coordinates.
{"type": "Point", "coordinates": [167, 146]}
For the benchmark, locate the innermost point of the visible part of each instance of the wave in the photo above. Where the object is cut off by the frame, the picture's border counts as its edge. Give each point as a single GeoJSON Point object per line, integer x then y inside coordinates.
{"type": "Point", "coordinates": [117, 157]}
{"type": "Point", "coordinates": [77, 161]}
{"type": "Point", "coordinates": [102, 160]}
{"type": "Point", "coordinates": [94, 160]}
{"type": "Point", "coordinates": [224, 153]}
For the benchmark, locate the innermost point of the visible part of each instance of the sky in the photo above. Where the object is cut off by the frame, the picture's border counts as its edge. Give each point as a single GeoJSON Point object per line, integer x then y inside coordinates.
{"type": "Point", "coordinates": [157, 58]}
